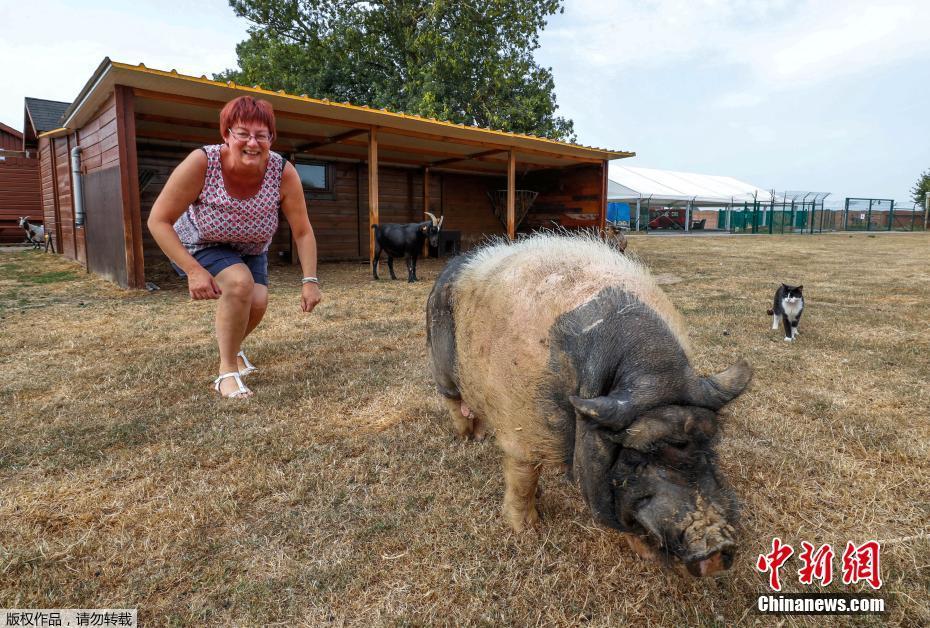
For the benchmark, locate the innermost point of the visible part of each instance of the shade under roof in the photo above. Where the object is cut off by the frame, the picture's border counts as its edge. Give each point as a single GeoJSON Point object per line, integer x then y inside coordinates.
{"type": "Point", "coordinates": [629, 183]}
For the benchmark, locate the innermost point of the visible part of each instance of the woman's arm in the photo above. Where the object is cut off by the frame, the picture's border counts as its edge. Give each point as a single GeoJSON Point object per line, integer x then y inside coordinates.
{"type": "Point", "coordinates": [294, 208]}
{"type": "Point", "coordinates": [183, 187]}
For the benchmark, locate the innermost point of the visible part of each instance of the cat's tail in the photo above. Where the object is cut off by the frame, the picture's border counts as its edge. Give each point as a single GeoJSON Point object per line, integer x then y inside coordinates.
{"type": "Point", "coordinates": [771, 312]}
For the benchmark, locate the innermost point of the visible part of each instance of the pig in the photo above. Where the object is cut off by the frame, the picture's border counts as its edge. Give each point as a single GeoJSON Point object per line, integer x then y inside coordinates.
{"type": "Point", "coordinates": [570, 354]}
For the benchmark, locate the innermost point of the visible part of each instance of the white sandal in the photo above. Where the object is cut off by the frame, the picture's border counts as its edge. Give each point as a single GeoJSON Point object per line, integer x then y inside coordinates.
{"type": "Point", "coordinates": [243, 390]}
{"type": "Point", "coordinates": [249, 367]}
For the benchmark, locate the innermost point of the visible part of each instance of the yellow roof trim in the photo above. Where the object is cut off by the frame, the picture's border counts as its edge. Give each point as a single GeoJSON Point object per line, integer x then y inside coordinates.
{"type": "Point", "coordinates": [141, 68]}
{"type": "Point", "coordinates": [53, 132]}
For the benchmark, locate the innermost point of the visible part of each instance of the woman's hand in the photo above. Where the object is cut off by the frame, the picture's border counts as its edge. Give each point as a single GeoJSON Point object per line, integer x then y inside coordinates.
{"type": "Point", "coordinates": [201, 285]}
{"type": "Point", "coordinates": [310, 295]}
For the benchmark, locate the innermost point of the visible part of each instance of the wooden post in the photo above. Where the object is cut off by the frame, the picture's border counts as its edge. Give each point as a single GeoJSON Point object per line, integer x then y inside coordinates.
{"type": "Point", "coordinates": [129, 181]}
{"type": "Point", "coordinates": [295, 258]}
{"type": "Point", "coordinates": [425, 189]}
{"type": "Point", "coordinates": [372, 191]}
{"type": "Point", "coordinates": [603, 204]}
{"type": "Point", "coordinates": [511, 194]}
{"type": "Point", "coordinates": [55, 200]}
{"type": "Point", "coordinates": [426, 209]}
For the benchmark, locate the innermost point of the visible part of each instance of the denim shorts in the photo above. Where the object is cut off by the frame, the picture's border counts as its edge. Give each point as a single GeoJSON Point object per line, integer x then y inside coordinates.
{"type": "Point", "coordinates": [217, 258]}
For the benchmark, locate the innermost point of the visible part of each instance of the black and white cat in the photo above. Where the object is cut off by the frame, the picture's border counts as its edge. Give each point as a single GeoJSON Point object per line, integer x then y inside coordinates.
{"type": "Point", "coordinates": [789, 305]}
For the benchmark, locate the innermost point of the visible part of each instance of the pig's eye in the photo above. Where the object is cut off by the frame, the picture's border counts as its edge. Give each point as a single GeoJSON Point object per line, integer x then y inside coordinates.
{"type": "Point", "coordinates": [679, 444]}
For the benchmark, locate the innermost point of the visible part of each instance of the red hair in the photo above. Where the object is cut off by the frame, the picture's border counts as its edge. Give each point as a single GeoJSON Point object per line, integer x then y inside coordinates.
{"type": "Point", "coordinates": [245, 110]}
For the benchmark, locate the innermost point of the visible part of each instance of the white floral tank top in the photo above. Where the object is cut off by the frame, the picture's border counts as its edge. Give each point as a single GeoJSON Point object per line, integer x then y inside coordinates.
{"type": "Point", "coordinates": [245, 225]}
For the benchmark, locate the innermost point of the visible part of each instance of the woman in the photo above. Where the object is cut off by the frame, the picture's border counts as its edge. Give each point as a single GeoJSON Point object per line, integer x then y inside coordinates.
{"type": "Point", "coordinates": [215, 219]}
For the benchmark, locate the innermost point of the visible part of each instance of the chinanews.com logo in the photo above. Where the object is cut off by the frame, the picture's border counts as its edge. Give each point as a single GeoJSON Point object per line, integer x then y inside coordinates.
{"type": "Point", "coordinates": [858, 563]}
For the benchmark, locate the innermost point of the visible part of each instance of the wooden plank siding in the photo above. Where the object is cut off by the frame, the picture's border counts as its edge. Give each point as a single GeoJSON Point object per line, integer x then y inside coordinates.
{"type": "Point", "coordinates": [9, 141]}
{"type": "Point", "coordinates": [48, 195]}
{"type": "Point", "coordinates": [61, 149]}
{"type": "Point", "coordinates": [98, 139]}
{"type": "Point", "coordinates": [20, 195]}
{"type": "Point", "coordinates": [572, 190]}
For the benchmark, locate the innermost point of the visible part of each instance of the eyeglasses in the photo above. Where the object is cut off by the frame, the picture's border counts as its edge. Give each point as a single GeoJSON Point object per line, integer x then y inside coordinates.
{"type": "Point", "coordinates": [245, 136]}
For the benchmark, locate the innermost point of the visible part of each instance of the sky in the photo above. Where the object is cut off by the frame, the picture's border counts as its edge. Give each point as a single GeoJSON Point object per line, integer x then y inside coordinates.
{"type": "Point", "coordinates": [815, 95]}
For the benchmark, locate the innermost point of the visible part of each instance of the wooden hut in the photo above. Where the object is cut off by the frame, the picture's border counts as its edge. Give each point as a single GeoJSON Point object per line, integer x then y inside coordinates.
{"type": "Point", "coordinates": [360, 166]}
{"type": "Point", "coordinates": [42, 116]}
{"type": "Point", "coordinates": [19, 185]}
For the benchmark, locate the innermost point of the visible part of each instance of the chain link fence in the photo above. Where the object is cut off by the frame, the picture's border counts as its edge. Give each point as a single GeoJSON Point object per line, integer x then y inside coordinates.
{"type": "Point", "coordinates": [787, 213]}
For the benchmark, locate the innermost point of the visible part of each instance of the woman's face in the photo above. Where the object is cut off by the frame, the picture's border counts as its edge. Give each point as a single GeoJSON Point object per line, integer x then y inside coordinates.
{"type": "Point", "coordinates": [249, 142]}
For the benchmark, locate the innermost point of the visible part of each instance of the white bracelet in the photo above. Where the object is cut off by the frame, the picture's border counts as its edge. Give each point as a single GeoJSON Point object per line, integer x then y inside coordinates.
{"type": "Point", "coordinates": [307, 280]}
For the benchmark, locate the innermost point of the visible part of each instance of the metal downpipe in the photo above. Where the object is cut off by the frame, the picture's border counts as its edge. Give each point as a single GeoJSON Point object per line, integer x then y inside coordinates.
{"type": "Point", "coordinates": [77, 185]}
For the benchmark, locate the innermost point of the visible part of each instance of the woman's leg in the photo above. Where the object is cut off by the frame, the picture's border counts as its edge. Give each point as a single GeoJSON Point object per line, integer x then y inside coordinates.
{"type": "Point", "coordinates": [232, 317]}
{"type": "Point", "coordinates": [259, 305]}
{"type": "Point", "coordinates": [256, 312]}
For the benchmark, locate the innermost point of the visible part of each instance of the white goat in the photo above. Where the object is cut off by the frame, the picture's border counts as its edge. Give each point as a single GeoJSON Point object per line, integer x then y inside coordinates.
{"type": "Point", "coordinates": [34, 233]}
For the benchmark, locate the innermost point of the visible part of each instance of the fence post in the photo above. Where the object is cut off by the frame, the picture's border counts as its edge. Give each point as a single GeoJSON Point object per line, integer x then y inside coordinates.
{"type": "Point", "coordinates": [891, 215]}
{"type": "Point", "coordinates": [846, 216]}
{"type": "Point", "coordinates": [772, 217]}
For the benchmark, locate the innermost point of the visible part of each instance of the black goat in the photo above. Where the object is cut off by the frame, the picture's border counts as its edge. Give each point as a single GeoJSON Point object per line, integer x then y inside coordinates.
{"type": "Point", "coordinates": [404, 240]}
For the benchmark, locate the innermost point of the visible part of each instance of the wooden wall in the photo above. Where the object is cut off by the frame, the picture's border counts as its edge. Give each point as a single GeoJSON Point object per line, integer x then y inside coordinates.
{"type": "Point", "coordinates": [8, 141]}
{"type": "Point", "coordinates": [71, 240]}
{"type": "Point", "coordinates": [99, 152]}
{"type": "Point", "coordinates": [571, 190]}
{"type": "Point", "coordinates": [47, 193]}
{"type": "Point", "coordinates": [98, 140]}
{"type": "Point", "coordinates": [19, 195]}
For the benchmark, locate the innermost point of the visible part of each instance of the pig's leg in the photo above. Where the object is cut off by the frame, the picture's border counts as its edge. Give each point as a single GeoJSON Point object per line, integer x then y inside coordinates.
{"type": "Point", "coordinates": [462, 424]}
{"type": "Point", "coordinates": [520, 479]}
{"type": "Point", "coordinates": [465, 422]}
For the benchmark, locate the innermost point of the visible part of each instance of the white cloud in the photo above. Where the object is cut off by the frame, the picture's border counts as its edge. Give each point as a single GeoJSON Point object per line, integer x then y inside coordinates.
{"type": "Point", "coordinates": [51, 48]}
{"type": "Point", "coordinates": [765, 47]}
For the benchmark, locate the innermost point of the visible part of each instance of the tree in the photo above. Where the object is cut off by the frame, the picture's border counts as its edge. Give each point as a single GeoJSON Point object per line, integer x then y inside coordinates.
{"type": "Point", "coordinates": [465, 61]}
{"type": "Point", "coordinates": [921, 188]}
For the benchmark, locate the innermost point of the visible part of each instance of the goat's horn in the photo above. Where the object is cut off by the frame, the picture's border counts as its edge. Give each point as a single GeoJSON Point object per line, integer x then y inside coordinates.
{"type": "Point", "coordinates": [431, 217]}
{"type": "Point", "coordinates": [441, 218]}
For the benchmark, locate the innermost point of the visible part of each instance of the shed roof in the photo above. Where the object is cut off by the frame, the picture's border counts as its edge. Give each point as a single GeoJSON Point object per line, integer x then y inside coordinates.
{"type": "Point", "coordinates": [170, 105]}
{"type": "Point", "coordinates": [629, 183]}
{"type": "Point", "coordinates": [45, 114]}
{"type": "Point", "coordinates": [8, 129]}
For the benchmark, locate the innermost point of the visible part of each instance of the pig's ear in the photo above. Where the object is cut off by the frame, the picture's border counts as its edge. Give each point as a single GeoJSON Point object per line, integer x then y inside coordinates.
{"type": "Point", "coordinates": [719, 390]}
{"type": "Point", "coordinates": [615, 413]}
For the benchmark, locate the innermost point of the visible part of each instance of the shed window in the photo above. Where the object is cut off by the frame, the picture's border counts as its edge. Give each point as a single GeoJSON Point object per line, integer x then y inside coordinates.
{"type": "Point", "coordinates": [313, 176]}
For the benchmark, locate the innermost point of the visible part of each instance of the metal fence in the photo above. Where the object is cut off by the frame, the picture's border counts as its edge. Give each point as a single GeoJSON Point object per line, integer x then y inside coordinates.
{"type": "Point", "coordinates": [785, 216]}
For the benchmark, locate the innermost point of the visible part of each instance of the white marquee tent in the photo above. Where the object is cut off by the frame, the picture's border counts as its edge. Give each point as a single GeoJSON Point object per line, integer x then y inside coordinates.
{"type": "Point", "coordinates": [667, 188]}
{"type": "Point", "coordinates": [629, 183]}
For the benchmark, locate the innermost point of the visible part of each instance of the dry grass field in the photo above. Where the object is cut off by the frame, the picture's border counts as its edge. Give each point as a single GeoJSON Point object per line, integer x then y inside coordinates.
{"type": "Point", "coordinates": [338, 496]}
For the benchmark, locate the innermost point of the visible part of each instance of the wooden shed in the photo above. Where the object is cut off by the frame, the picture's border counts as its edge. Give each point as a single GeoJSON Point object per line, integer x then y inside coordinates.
{"type": "Point", "coordinates": [19, 185]}
{"type": "Point", "coordinates": [359, 165]}
{"type": "Point", "coordinates": [41, 116]}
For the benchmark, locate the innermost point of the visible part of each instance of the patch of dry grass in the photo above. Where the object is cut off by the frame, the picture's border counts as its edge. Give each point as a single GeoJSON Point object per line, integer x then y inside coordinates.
{"type": "Point", "coordinates": [338, 495]}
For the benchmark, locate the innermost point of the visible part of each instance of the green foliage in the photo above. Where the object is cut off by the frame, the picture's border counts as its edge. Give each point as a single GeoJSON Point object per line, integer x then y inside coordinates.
{"type": "Point", "coordinates": [465, 61]}
{"type": "Point", "coordinates": [921, 188]}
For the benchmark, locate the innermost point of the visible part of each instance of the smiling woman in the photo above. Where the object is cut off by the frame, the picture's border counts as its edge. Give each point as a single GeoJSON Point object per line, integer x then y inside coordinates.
{"type": "Point", "coordinates": [215, 219]}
